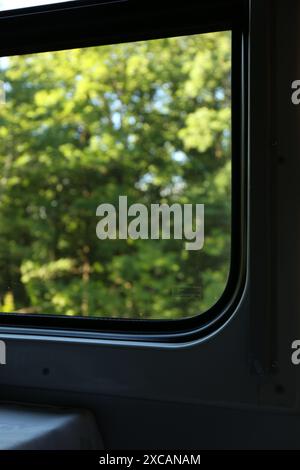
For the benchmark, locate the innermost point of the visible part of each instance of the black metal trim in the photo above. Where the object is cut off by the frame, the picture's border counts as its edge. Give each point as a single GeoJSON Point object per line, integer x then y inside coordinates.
{"type": "Point", "coordinates": [68, 26]}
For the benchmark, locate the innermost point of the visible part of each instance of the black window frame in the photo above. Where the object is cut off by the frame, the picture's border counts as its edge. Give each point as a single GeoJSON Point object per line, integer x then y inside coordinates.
{"type": "Point", "coordinates": [80, 23]}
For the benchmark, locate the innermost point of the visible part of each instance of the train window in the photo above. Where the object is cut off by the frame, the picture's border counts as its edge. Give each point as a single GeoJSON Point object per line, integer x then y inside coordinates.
{"type": "Point", "coordinates": [121, 185]}
{"type": "Point", "coordinates": [115, 192]}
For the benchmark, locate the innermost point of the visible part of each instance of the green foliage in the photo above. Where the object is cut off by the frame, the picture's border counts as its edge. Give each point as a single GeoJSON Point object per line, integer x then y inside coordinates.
{"type": "Point", "coordinates": [150, 120]}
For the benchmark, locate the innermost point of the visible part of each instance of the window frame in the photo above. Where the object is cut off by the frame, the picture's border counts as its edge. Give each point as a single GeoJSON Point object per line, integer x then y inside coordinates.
{"type": "Point", "coordinates": [77, 24]}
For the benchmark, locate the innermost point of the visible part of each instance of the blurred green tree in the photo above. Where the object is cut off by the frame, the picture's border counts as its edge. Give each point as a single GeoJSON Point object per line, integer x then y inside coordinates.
{"type": "Point", "coordinates": [150, 120]}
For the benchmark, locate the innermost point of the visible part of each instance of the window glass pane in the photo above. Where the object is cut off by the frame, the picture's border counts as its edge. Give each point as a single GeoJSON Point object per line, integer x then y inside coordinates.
{"type": "Point", "coordinates": [145, 123]}
{"type": "Point", "coordinates": [15, 4]}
